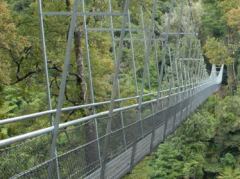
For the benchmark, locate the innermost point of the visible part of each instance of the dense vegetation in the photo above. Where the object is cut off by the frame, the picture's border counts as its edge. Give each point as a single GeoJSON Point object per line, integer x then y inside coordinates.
{"type": "Point", "coordinates": [22, 72]}
{"type": "Point", "coordinates": [219, 33]}
{"type": "Point", "coordinates": [205, 146]}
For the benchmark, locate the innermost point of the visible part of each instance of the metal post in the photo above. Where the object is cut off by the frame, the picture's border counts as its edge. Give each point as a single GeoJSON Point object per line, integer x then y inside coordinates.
{"type": "Point", "coordinates": [92, 97]}
{"type": "Point", "coordinates": [63, 85]}
{"type": "Point", "coordinates": [115, 59]}
{"type": "Point", "coordinates": [145, 46]}
{"type": "Point", "coordinates": [114, 90]}
{"type": "Point", "coordinates": [189, 67]}
{"type": "Point", "coordinates": [134, 148]}
{"type": "Point", "coordinates": [181, 77]}
{"type": "Point", "coordinates": [136, 85]}
{"type": "Point", "coordinates": [194, 63]}
{"type": "Point", "coordinates": [45, 59]}
{"type": "Point", "coordinates": [158, 95]}
{"type": "Point", "coordinates": [177, 75]}
{"type": "Point", "coordinates": [186, 74]}
{"type": "Point", "coordinates": [178, 47]}
{"type": "Point", "coordinates": [148, 47]}
{"type": "Point", "coordinates": [170, 79]}
{"type": "Point", "coordinates": [133, 54]}
{"type": "Point", "coordinates": [172, 85]}
{"type": "Point", "coordinates": [164, 48]}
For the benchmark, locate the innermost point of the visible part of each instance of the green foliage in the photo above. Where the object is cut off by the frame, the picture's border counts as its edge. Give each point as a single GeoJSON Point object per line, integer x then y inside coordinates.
{"type": "Point", "coordinates": [233, 18]}
{"type": "Point", "coordinates": [217, 52]}
{"type": "Point", "coordinates": [212, 22]}
{"type": "Point", "coordinates": [229, 173]}
{"type": "Point", "coordinates": [206, 145]}
{"type": "Point", "coordinates": [228, 160]}
{"type": "Point", "coordinates": [220, 20]}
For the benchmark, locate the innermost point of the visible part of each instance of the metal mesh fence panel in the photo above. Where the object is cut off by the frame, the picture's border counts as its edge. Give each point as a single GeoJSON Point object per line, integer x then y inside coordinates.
{"type": "Point", "coordinates": [24, 155]}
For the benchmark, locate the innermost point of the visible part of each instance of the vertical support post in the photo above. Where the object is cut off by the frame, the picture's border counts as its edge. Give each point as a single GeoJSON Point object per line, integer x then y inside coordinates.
{"type": "Point", "coordinates": [185, 72]}
{"type": "Point", "coordinates": [172, 85]}
{"type": "Point", "coordinates": [146, 48]}
{"type": "Point", "coordinates": [187, 80]}
{"type": "Point", "coordinates": [158, 94]}
{"type": "Point", "coordinates": [115, 59]}
{"type": "Point", "coordinates": [134, 148]}
{"type": "Point", "coordinates": [190, 70]}
{"type": "Point", "coordinates": [179, 70]}
{"type": "Point", "coordinates": [133, 54]}
{"type": "Point", "coordinates": [45, 59]}
{"type": "Point", "coordinates": [136, 87]}
{"type": "Point", "coordinates": [178, 81]}
{"type": "Point", "coordinates": [179, 55]}
{"type": "Point", "coordinates": [164, 47]}
{"type": "Point", "coordinates": [198, 71]}
{"type": "Point", "coordinates": [114, 90]}
{"type": "Point", "coordinates": [62, 86]}
{"type": "Point", "coordinates": [92, 97]}
{"type": "Point", "coordinates": [170, 79]}
{"type": "Point", "coordinates": [163, 60]}
{"type": "Point", "coordinates": [174, 75]}
{"type": "Point", "coordinates": [198, 56]}
{"type": "Point", "coordinates": [178, 51]}
{"type": "Point", "coordinates": [194, 63]}
{"type": "Point", "coordinates": [183, 79]}
{"type": "Point", "coordinates": [136, 84]}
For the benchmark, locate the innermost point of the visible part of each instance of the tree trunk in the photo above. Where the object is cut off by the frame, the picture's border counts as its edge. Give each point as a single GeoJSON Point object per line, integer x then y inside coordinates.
{"type": "Point", "coordinates": [91, 153]}
{"type": "Point", "coordinates": [80, 68]}
{"type": "Point", "coordinates": [68, 5]}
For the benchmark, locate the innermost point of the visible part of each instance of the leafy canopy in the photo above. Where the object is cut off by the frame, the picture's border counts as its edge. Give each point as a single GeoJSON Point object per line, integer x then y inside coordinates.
{"type": "Point", "coordinates": [217, 52]}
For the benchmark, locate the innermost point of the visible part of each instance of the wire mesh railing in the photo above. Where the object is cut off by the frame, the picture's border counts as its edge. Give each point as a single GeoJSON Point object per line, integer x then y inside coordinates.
{"type": "Point", "coordinates": [76, 158]}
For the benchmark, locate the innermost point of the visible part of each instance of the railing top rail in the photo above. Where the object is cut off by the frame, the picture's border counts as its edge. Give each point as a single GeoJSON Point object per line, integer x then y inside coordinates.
{"type": "Point", "coordinates": [43, 131]}
{"type": "Point", "coordinates": [73, 108]}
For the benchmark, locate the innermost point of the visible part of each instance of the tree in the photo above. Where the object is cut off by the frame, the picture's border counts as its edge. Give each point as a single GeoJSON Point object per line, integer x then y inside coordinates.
{"type": "Point", "coordinates": [217, 52]}
{"type": "Point", "coordinates": [12, 45]}
{"type": "Point", "coordinates": [229, 173]}
{"type": "Point", "coordinates": [233, 18]}
{"type": "Point", "coordinates": [212, 23]}
{"type": "Point", "coordinates": [227, 5]}
{"type": "Point", "coordinates": [13, 48]}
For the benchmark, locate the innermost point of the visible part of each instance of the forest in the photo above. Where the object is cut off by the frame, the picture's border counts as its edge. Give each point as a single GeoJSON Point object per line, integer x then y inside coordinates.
{"type": "Point", "coordinates": [205, 146]}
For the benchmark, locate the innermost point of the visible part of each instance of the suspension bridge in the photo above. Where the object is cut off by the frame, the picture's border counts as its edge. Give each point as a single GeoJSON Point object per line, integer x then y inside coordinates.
{"type": "Point", "coordinates": [105, 139]}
